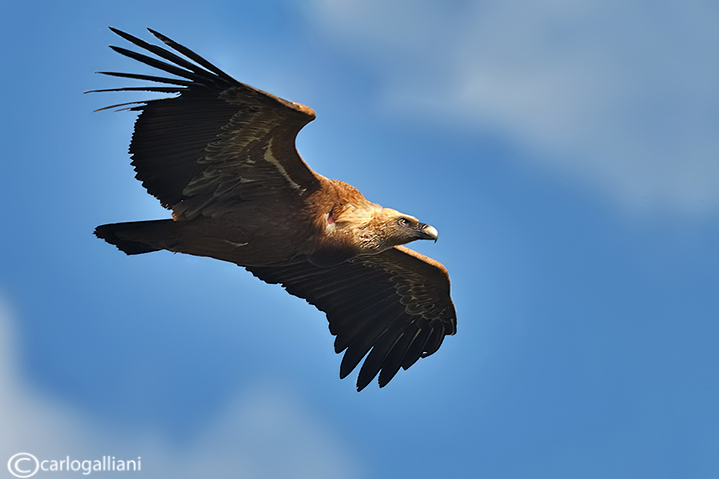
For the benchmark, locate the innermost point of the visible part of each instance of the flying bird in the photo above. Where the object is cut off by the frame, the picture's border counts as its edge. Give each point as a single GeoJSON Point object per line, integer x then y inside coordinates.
{"type": "Point", "coordinates": [221, 155]}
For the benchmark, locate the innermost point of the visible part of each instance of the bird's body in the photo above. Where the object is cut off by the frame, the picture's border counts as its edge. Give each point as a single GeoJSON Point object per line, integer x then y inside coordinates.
{"type": "Point", "coordinates": [222, 157]}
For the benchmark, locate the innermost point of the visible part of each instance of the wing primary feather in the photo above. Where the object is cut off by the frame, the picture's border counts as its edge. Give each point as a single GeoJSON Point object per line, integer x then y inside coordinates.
{"type": "Point", "coordinates": [138, 76]}
{"type": "Point", "coordinates": [434, 341]}
{"type": "Point", "coordinates": [393, 363]}
{"type": "Point", "coordinates": [376, 358]}
{"type": "Point", "coordinates": [362, 344]}
{"type": "Point", "coordinates": [414, 351]}
{"type": "Point", "coordinates": [354, 354]}
{"type": "Point", "coordinates": [160, 89]}
{"type": "Point", "coordinates": [140, 104]}
{"type": "Point", "coordinates": [160, 52]}
{"type": "Point", "coordinates": [153, 62]}
{"type": "Point", "coordinates": [191, 55]}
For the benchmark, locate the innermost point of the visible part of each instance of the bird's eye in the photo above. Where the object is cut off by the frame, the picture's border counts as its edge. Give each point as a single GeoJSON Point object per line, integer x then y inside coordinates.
{"type": "Point", "coordinates": [403, 222]}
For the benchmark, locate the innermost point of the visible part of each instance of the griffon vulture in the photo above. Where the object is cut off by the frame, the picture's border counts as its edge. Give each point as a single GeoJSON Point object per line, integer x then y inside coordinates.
{"type": "Point", "coordinates": [221, 155]}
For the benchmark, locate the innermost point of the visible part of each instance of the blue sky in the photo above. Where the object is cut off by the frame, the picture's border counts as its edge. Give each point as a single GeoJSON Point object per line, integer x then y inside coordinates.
{"type": "Point", "coordinates": [568, 153]}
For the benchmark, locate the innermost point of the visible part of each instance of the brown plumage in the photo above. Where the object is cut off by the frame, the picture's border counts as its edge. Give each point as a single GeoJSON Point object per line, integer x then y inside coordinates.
{"type": "Point", "coordinates": [221, 155]}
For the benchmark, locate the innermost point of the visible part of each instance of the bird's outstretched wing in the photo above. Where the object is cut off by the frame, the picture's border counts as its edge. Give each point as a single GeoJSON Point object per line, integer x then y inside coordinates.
{"type": "Point", "coordinates": [219, 142]}
{"type": "Point", "coordinates": [396, 303]}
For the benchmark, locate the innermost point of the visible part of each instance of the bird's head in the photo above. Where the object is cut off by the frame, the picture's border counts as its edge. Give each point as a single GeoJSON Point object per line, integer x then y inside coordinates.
{"type": "Point", "coordinates": [393, 228]}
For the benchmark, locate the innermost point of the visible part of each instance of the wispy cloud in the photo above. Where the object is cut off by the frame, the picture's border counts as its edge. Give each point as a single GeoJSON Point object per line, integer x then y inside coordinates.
{"type": "Point", "coordinates": [265, 433]}
{"type": "Point", "coordinates": [623, 96]}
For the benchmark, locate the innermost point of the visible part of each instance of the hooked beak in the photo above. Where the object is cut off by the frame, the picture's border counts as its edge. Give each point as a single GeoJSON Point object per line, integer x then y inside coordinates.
{"type": "Point", "coordinates": [428, 232]}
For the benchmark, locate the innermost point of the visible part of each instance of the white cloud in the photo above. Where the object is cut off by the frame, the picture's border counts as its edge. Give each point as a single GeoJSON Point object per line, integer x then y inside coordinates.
{"type": "Point", "coordinates": [265, 433]}
{"type": "Point", "coordinates": [623, 95]}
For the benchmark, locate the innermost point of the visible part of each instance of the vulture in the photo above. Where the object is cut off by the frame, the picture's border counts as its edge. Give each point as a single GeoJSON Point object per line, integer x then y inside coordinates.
{"type": "Point", "coordinates": [221, 156]}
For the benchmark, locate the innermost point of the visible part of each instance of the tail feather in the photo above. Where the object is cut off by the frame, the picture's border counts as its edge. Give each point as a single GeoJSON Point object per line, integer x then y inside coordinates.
{"type": "Point", "coordinates": [139, 237]}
